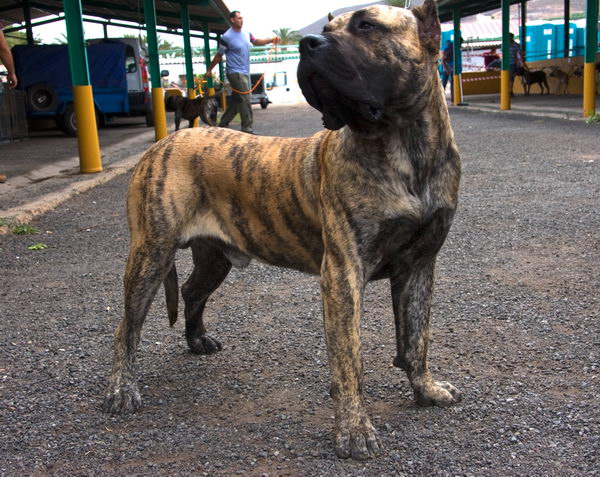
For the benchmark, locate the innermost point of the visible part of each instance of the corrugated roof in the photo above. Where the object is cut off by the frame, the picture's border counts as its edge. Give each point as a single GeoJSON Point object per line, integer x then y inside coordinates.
{"type": "Point", "coordinates": [467, 7]}
{"type": "Point", "coordinates": [212, 12]}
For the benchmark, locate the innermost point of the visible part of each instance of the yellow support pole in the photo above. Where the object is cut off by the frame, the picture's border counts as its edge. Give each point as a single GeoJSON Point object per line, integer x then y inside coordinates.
{"type": "Point", "coordinates": [457, 90]}
{"type": "Point", "coordinates": [160, 115]}
{"type": "Point", "coordinates": [87, 130]}
{"type": "Point", "coordinates": [504, 90]}
{"type": "Point", "coordinates": [223, 100]}
{"type": "Point", "coordinates": [192, 95]}
{"type": "Point", "coordinates": [589, 89]}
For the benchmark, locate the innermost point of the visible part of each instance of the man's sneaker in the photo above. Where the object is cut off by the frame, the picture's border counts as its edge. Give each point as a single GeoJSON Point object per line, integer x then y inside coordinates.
{"type": "Point", "coordinates": [2, 178]}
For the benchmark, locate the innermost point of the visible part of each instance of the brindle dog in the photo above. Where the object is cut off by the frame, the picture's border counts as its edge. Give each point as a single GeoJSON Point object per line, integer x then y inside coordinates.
{"type": "Point", "coordinates": [372, 197]}
{"type": "Point", "coordinates": [204, 107]}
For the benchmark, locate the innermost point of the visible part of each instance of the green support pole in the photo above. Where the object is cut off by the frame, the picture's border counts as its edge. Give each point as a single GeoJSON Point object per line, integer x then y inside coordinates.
{"type": "Point", "coordinates": [505, 73]}
{"type": "Point", "coordinates": [27, 18]}
{"type": "Point", "coordinates": [591, 47]}
{"type": "Point", "coordinates": [567, 28]}
{"type": "Point", "coordinates": [76, 43]}
{"type": "Point", "coordinates": [187, 46]}
{"type": "Point", "coordinates": [150, 17]}
{"type": "Point", "coordinates": [523, 29]}
{"type": "Point", "coordinates": [83, 99]}
{"type": "Point", "coordinates": [591, 31]}
{"type": "Point", "coordinates": [207, 58]}
{"type": "Point", "coordinates": [457, 53]}
{"type": "Point", "coordinates": [158, 102]}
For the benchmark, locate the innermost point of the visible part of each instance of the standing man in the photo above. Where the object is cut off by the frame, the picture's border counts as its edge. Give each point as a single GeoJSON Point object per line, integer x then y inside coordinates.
{"type": "Point", "coordinates": [235, 44]}
{"type": "Point", "coordinates": [7, 60]}
{"type": "Point", "coordinates": [448, 67]}
{"type": "Point", "coordinates": [517, 61]}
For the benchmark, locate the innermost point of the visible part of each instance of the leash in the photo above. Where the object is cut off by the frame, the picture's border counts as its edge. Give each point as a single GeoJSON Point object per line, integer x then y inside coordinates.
{"type": "Point", "coordinates": [251, 90]}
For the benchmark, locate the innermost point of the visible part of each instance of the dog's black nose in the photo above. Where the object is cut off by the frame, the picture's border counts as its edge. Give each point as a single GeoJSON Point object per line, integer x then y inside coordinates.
{"type": "Point", "coordinates": [311, 43]}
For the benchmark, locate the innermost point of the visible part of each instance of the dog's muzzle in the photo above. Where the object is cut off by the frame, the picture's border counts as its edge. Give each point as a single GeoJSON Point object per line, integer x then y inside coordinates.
{"type": "Point", "coordinates": [332, 86]}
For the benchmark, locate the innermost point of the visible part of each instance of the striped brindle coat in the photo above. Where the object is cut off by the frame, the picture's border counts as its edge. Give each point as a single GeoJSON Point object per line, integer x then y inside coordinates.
{"type": "Point", "coordinates": [371, 197]}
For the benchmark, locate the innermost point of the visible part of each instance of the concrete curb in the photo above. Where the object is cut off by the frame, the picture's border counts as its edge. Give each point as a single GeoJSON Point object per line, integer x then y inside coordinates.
{"type": "Point", "coordinates": [59, 168]}
{"type": "Point", "coordinates": [538, 114]}
{"type": "Point", "coordinates": [25, 213]}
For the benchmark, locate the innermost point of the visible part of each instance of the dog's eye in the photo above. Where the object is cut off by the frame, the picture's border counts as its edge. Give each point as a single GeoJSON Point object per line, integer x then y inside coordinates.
{"type": "Point", "coordinates": [365, 25]}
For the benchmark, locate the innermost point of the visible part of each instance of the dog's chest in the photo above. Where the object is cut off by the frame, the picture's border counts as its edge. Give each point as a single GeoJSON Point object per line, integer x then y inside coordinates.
{"type": "Point", "coordinates": [404, 239]}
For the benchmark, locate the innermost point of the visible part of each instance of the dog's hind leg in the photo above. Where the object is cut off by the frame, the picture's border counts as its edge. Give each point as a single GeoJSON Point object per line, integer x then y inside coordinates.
{"type": "Point", "coordinates": [412, 302]}
{"type": "Point", "coordinates": [177, 119]}
{"type": "Point", "coordinates": [210, 269]}
{"type": "Point", "coordinates": [147, 266]}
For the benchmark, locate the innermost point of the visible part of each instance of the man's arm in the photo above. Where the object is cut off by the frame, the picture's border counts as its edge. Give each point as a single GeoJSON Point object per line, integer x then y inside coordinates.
{"type": "Point", "coordinates": [7, 60]}
{"type": "Point", "coordinates": [265, 41]}
{"type": "Point", "coordinates": [215, 61]}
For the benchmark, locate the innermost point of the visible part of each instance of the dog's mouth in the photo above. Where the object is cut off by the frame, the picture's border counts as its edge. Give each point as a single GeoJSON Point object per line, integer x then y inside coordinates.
{"type": "Point", "coordinates": [337, 107]}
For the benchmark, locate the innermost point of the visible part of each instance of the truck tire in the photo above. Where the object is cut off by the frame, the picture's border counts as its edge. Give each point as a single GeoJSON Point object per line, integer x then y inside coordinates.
{"type": "Point", "coordinates": [68, 123]}
{"type": "Point", "coordinates": [42, 98]}
{"type": "Point", "coordinates": [150, 119]}
{"type": "Point", "coordinates": [264, 103]}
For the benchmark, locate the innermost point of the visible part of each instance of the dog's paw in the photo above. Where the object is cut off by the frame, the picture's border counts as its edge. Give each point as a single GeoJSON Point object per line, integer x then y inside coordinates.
{"type": "Point", "coordinates": [359, 442]}
{"type": "Point", "coordinates": [204, 344]}
{"type": "Point", "coordinates": [439, 393]}
{"type": "Point", "coordinates": [123, 399]}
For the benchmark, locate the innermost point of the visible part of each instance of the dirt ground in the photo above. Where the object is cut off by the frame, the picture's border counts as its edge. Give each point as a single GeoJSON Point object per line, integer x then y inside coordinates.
{"type": "Point", "coordinates": [514, 326]}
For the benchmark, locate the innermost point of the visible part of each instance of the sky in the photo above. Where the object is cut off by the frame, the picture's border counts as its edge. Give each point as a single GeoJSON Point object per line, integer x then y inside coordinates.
{"type": "Point", "coordinates": [261, 17]}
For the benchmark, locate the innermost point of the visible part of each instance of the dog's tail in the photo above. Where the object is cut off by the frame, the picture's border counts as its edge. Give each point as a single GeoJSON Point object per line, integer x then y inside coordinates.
{"type": "Point", "coordinates": [172, 294]}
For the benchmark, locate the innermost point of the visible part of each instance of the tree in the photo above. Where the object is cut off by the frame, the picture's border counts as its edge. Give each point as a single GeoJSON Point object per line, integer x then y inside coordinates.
{"type": "Point", "coordinates": [60, 40]}
{"type": "Point", "coordinates": [287, 36]}
{"type": "Point", "coordinates": [18, 38]}
{"type": "Point", "coordinates": [162, 43]}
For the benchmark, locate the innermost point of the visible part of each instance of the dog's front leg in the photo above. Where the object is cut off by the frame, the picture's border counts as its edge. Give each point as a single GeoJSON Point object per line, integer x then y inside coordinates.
{"type": "Point", "coordinates": [411, 297]}
{"type": "Point", "coordinates": [342, 288]}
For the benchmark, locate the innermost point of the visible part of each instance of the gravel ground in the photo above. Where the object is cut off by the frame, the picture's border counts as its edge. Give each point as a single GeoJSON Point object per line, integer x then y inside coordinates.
{"type": "Point", "coordinates": [515, 327]}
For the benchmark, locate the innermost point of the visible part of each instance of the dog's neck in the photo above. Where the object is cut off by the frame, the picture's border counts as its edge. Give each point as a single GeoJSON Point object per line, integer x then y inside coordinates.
{"type": "Point", "coordinates": [426, 128]}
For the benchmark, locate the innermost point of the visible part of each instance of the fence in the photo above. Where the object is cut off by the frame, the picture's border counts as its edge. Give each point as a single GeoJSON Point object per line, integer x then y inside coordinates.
{"type": "Point", "coordinates": [13, 115]}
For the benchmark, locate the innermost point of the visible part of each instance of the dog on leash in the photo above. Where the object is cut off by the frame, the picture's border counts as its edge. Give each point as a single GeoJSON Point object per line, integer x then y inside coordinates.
{"type": "Point", "coordinates": [371, 197]}
{"type": "Point", "coordinates": [562, 79]}
{"type": "Point", "coordinates": [205, 107]}
{"type": "Point", "coordinates": [529, 78]}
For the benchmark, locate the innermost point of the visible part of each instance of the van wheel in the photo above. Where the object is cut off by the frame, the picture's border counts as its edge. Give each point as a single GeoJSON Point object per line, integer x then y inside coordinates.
{"type": "Point", "coordinates": [68, 122]}
{"type": "Point", "coordinates": [150, 119]}
{"type": "Point", "coordinates": [42, 98]}
{"type": "Point", "coordinates": [264, 103]}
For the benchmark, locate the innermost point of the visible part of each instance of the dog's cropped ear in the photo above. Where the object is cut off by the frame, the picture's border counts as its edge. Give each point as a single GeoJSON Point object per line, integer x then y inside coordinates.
{"type": "Point", "coordinates": [329, 17]}
{"type": "Point", "coordinates": [428, 22]}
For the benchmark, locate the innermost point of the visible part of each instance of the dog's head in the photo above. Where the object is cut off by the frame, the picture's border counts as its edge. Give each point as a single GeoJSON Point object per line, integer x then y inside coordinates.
{"type": "Point", "coordinates": [372, 68]}
{"type": "Point", "coordinates": [556, 72]}
{"type": "Point", "coordinates": [208, 109]}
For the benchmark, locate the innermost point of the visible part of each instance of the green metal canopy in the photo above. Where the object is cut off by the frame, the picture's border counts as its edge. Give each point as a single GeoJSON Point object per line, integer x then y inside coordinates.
{"type": "Point", "coordinates": [468, 7]}
{"type": "Point", "coordinates": [213, 13]}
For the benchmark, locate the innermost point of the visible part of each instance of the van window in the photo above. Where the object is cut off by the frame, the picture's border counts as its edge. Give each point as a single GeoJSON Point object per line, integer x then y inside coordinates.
{"type": "Point", "coordinates": [280, 79]}
{"type": "Point", "coordinates": [130, 63]}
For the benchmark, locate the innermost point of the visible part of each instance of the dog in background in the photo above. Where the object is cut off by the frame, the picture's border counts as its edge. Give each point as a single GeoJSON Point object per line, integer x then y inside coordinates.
{"type": "Point", "coordinates": [205, 107]}
{"type": "Point", "coordinates": [529, 77]}
{"type": "Point", "coordinates": [577, 71]}
{"type": "Point", "coordinates": [562, 79]}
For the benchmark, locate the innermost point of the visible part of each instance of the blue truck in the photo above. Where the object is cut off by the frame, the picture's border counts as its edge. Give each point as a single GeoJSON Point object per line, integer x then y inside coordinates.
{"type": "Point", "coordinates": [118, 75]}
